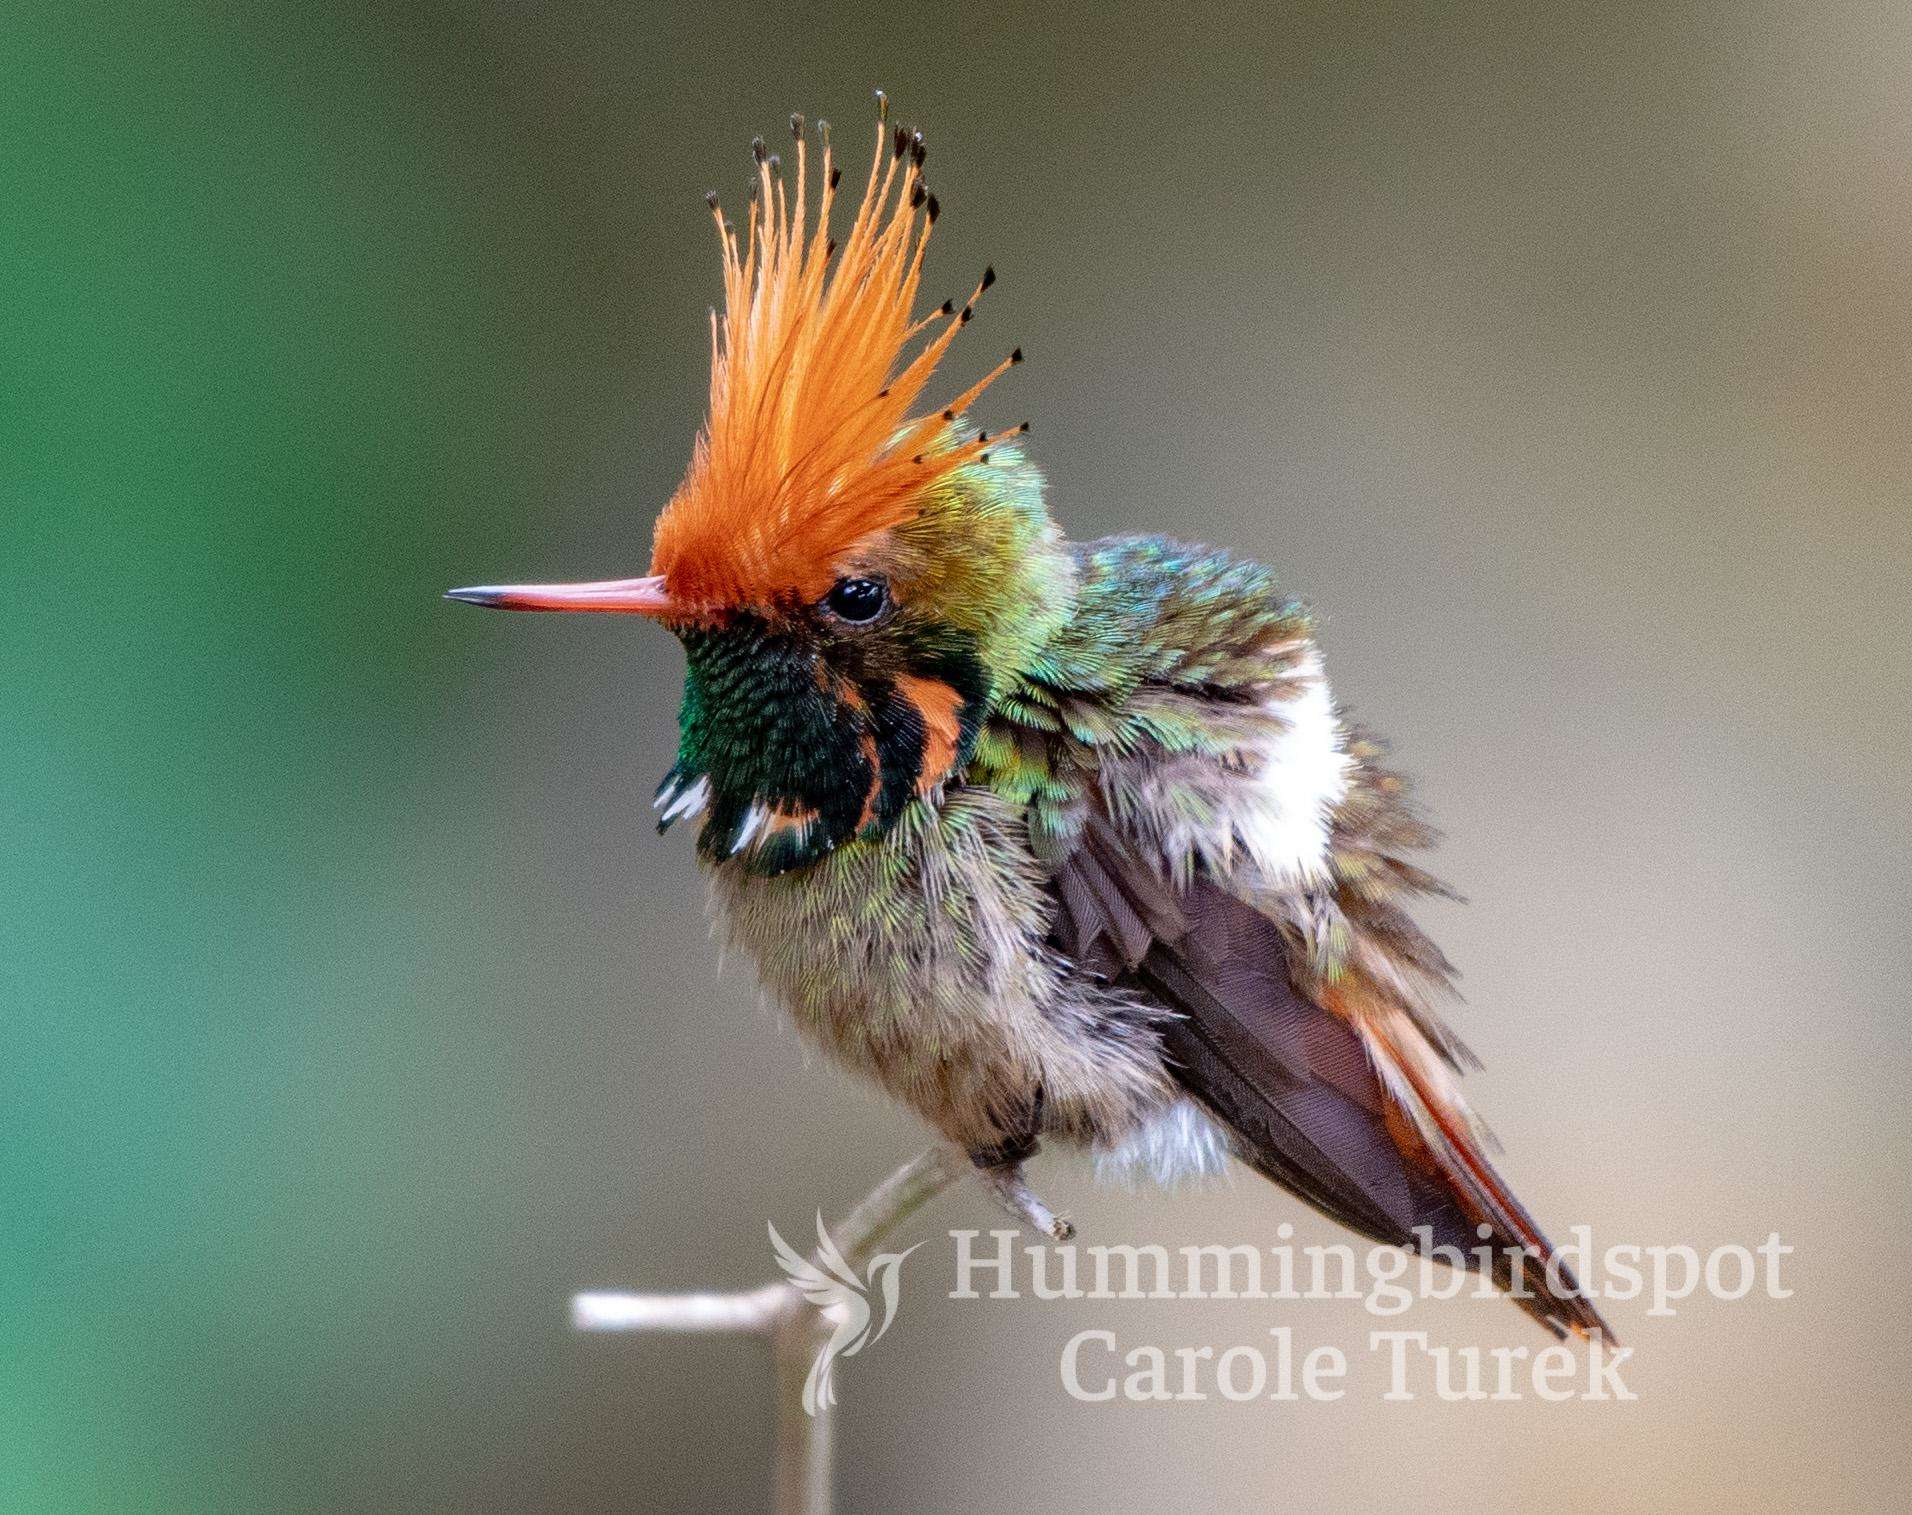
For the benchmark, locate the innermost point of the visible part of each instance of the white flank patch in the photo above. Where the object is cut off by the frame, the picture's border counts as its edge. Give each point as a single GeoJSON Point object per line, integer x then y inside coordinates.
{"type": "Point", "coordinates": [1177, 1144]}
{"type": "Point", "coordinates": [1303, 777]}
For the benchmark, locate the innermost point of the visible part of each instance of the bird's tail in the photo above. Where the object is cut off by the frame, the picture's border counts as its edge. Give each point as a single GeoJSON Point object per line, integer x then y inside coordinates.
{"type": "Point", "coordinates": [1437, 1133]}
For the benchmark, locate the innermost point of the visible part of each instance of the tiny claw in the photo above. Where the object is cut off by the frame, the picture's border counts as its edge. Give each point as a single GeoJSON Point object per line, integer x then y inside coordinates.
{"type": "Point", "coordinates": [1011, 1190]}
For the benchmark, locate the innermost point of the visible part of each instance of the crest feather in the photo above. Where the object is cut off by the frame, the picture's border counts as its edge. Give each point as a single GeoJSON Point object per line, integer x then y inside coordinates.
{"type": "Point", "coordinates": [810, 445]}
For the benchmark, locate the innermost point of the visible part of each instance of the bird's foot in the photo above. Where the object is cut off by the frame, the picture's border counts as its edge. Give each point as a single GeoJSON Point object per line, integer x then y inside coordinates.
{"type": "Point", "coordinates": [1012, 1192]}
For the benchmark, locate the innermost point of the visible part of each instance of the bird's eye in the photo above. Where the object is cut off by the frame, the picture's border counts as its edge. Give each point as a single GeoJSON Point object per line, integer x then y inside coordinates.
{"type": "Point", "coordinates": [857, 600]}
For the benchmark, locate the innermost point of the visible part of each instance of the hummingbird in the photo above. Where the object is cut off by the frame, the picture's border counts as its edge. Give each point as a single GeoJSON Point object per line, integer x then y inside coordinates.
{"type": "Point", "coordinates": [1053, 840]}
{"type": "Point", "coordinates": [829, 1280]}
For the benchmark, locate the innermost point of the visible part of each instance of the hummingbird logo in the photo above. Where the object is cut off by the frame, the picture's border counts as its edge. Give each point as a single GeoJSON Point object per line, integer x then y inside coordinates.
{"type": "Point", "coordinates": [831, 1284]}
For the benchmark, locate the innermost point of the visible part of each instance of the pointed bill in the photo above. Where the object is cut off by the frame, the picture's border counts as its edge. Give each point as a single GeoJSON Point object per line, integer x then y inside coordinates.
{"type": "Point", "coordinates": [645, 596]}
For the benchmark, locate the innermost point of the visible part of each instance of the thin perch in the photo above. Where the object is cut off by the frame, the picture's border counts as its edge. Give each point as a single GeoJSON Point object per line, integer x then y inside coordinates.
{"type": "Point", "coordinates": [794, 1328]}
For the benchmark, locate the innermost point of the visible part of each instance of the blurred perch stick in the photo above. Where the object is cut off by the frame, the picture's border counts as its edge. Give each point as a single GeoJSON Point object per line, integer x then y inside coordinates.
{"type": "Point", "coordinates": [795, 1329]}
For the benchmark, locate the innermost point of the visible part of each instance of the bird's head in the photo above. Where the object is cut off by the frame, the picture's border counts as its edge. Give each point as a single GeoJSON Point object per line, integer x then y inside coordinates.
{"type": "Point", "coordinates": [854, 575]}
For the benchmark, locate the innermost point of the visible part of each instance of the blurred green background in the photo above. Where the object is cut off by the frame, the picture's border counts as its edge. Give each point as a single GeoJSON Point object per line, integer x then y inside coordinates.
{"type": "Point", "coordinates": [355, 1017]}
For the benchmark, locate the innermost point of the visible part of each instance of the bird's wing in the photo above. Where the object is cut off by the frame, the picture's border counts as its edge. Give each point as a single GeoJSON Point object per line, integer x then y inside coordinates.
{"type": "Point", "coordinates": [832, 1260]}
{"type": "Point", "coordinates": [1290, 1081]}
{"type": "Point", "coordinates": [820, 1285]}
{"type": "Point", "coordinates": [1334, 1095]}
{"type": "Point", "coordinates": [1299, 1018]}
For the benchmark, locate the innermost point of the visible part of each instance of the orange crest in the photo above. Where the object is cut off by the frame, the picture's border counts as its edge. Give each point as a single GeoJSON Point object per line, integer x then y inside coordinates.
{"type": "Point", "coordinates": [810, 446]}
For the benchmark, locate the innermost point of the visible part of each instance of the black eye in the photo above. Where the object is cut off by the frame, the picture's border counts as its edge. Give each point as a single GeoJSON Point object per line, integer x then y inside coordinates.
{"type": "Point", "coordinates": [857, 600]}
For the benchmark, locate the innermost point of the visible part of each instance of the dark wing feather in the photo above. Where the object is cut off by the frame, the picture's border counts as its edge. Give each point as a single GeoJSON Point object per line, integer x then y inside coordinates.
{"type": "Point", "coordinates": [1294, 1082]}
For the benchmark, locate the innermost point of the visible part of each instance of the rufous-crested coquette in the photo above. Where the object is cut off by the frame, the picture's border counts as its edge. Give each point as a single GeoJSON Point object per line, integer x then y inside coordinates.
{"type": "Point", "coordinates": [1050, 839]}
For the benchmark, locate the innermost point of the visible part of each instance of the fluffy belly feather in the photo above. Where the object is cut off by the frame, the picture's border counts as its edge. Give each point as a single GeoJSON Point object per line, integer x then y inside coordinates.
{"type": "Point", "coordinates": [922, 961]}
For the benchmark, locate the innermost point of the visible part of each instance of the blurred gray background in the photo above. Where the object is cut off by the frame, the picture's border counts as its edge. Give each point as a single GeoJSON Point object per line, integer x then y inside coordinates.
{"type": "Point", "coordinates": [1558, 355]}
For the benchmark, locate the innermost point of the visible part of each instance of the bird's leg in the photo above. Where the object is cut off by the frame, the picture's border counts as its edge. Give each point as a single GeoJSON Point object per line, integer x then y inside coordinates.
{"type": "Point", "coordinates": [1000, 1169]}
{"type": "Point", "coordinates": [1014, 1195]}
